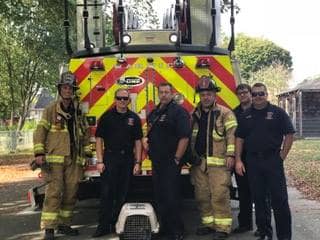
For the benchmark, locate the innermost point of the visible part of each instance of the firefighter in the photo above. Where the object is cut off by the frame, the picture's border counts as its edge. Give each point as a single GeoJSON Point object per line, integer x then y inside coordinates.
{"type": "Point", "coordinates": [118, 147]}
{"type": "Point", "coordinates": [213, 144]}
{"type": "Point", "coordinates": [61, 140]}
{"type": "Point", "coordinates": [266, 132]}
{"type": "Point", "coordinates": [168, 137]}
{"type": "Point", "coordinates": [243, 92]}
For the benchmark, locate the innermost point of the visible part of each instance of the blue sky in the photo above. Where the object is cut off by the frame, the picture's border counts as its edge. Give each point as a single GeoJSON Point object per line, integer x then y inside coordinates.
{"type": "Point", "coordinates": [288, 23]}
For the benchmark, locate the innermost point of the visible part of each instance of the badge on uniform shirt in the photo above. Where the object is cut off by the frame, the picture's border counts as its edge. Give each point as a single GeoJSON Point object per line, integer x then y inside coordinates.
{"type": "Point", "coordinates": [248, 116]}
{"type": "Point", "coordinates": [163, 118]}
{"type": "Point", "coordinates": [130, 121]}
{"type": "Point", "coordinates": [269, 115]}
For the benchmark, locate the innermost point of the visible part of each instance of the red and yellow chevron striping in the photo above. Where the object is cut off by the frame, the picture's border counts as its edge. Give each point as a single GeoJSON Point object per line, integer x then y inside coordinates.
{"type": "Point", "coordinates": [98, 87]}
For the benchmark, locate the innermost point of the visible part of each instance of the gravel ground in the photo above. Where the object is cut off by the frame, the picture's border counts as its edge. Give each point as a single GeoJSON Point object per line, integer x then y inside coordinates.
{"type": "Point", "coordinates": [15, 180]}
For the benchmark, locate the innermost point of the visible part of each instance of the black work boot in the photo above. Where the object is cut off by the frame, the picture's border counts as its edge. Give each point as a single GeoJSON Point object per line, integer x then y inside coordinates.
{"type": "Point", "coordinates": [49, 234]}
{"type": "Point", "coordinates": [67, 230]}
{"type": "Point", "coordinates": [102, 230]}
{"type": "Point", "coordinates": [204, 230]}
{"type": "Point", "coordinates": [220, 236]}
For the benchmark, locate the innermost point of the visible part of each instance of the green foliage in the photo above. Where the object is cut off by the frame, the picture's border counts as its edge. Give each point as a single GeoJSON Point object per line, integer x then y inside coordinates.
{"type": "Point", "coordinates": [275, 77]}
{"type": "Point", "coordinates": [29, 125]}
{"type": "Point", "coordinates": [148, 18]}
{"type": "Point", "coordinates": [255, 54]}
{"type": "Point", "coordinates": [32, 47]}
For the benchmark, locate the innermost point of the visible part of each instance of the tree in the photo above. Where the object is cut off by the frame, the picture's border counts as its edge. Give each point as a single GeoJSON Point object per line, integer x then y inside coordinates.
{"type": "Point", "coordinates": [255, 54]}
{"type": "Point", "coordinates": [275, 77]}
{"type": "Point", "coordinates": [148, 18]}
{"type": "Point", "coordinates": [31, 47]}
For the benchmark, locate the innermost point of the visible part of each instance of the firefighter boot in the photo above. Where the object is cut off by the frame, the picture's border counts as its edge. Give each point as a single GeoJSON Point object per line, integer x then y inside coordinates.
{"type": "Point", "coordinates": [220, 236]}
{"type": "Point", "coordinates": [67, 230]}
{"type": "Point", "coordinates": [204, 230]}
{"type": "Point", "coordinates": [49, 234]}
{"type": "Point", "coordinates": [102, 230]}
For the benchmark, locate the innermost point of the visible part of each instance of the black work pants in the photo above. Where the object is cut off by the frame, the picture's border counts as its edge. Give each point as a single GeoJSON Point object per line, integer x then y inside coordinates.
{"type": "Point", "coordinates": [266, 175]}
{"type": "Point", "coordinates": [245, 205]}
{"type": "Point", "coordinates": [245, 201]}
{"type": "Point", "coordinates": [166, 183]}
{"type": "Point", "coordinates": [115, 182]}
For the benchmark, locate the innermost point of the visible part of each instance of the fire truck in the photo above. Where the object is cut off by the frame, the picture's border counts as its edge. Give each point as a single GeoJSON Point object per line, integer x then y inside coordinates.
{"type": "Point", "coordinates": [187, 46]}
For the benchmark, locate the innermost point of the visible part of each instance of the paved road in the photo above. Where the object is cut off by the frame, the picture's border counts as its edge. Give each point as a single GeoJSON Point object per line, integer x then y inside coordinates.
{"type": "Point", "coordinates": [24, 225]}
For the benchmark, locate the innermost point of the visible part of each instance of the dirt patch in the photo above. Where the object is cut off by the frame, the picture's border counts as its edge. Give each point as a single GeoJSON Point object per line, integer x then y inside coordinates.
{"type": "Point", "coordinates": [11, 159]}
{"type": "Point", "coordinates": [16, 179]}
{"type": "Point", "coordinates": [310, 191]}
{"type": "Point", "coordinates": [303, 167]}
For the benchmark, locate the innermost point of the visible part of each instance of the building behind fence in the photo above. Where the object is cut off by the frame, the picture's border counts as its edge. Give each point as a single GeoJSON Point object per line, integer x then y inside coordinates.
{"type": "Point", "coordinates": [13, 141]}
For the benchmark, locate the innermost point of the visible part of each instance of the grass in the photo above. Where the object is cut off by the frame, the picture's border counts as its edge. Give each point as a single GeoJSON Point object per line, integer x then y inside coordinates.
{"type": "Point", "coordinates": [303, 167]}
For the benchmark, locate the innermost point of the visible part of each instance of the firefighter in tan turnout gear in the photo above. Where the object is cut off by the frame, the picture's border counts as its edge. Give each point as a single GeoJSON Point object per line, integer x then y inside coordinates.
{"type": "Point", "coordinates": [61, 140]}
{"type": "Point", "coordinates": [213, 149]}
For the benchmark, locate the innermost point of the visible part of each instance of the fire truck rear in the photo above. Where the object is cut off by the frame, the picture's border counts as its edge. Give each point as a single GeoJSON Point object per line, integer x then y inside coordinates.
{"type": "Point", "coordinates": [185, 48]}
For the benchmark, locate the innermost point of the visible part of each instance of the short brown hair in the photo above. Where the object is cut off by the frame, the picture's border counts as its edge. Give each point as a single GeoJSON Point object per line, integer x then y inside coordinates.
{"type": "Point", "coordinates": [243, 86]}
{"type": "Point", "coordinates": [121, 89]}
{"type": "Point", "coordinates": [165, 84]}
{"type": "Point", "coordinates": [259, 84]}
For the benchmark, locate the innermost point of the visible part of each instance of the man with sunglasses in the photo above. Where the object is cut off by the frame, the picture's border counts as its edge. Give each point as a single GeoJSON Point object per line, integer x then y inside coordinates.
{"type": "Point", "coordinates": [245, 222]}
{"type": "Point", "coordinates": [118, 147]}
{"type": "Point", "coordinates": [266, 132]}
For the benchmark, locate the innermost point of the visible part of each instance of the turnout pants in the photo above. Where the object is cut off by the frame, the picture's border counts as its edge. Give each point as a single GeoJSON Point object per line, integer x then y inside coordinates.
{"type": "Point", "coordinates": [166, 184]}
{"type": "Point", "coordinates": [266, 176]}
{"type": "Point", "coordinates": [60, 194]}
{"type": "Point", "coordinates": [114, 187]}
{"type": "Point", "coordinates": [213, 196]}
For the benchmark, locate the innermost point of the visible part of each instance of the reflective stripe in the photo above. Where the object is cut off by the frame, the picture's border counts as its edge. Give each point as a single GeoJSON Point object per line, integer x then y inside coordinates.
{"type": "Point", "coordinates": [207, 220]}
{"type": "Point", "coordinates": [230, 148]}
{"type": "Point", "coordinates": [39, 147]}
{"type": "Point", "coordinates": [44, 123]}
{"type": "Point", "coordinates": [230, 124]}
{"type": "Point", "coordinates": [55, 159]}
{"type": "Point", "coordinates": [49, 216]}
{"type": "Point", "coordinates": [65, 213]}
{"type": "Point", "coordinates": [223, 221]}
{"type": "Point", "coordinates": [54, 129]}
{"type": "Point", "coordinates": [87, 149]}
{"type": "Point", "coordinates": [216, 161]}
{"type": "Point", "coordinates": [81, 161]}
{"type": "Point", "coordinates": [215, 136]}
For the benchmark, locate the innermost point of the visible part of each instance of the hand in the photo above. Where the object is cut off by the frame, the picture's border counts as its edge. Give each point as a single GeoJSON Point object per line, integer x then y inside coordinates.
{"type": "Point", "coordinates": [40, 159]}
{"type": "Point", "coordinates": [100, 167]}
{"type": "Point", "coordinates": [177, 161]}
{"type": "Point", "coordinates": [283, 155]}
{"type": "Point", "coordinates": [137, 169]}
{"type": "Point", "coordinates": [145, 143]}
{"type": "Point", "coordinates": [240, 169]}
{"type": "Point", "coordinates": [230, 162]}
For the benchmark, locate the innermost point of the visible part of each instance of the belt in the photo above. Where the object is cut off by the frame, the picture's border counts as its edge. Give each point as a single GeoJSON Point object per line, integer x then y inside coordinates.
{"type": "Point", "coordinates": [266, 152]}
{"type": "Point", "coordinates": [120, 151]}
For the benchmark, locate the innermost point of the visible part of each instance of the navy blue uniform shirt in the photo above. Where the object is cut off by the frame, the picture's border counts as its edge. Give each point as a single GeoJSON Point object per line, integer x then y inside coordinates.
{"type": "Point", "coordinates": [166, 127]}
{"type": "Point", "coordinates": [263, 130]}
{"type": "Point", "coordinates": [119, 131]}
